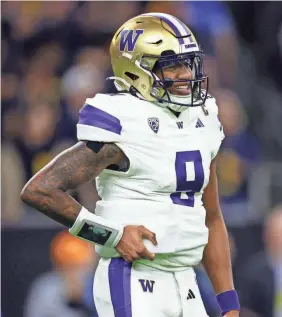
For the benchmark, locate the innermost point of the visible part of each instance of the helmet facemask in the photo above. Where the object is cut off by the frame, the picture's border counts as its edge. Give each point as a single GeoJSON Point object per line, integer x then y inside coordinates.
{"type": "Point", "coordinates": [161, 85]}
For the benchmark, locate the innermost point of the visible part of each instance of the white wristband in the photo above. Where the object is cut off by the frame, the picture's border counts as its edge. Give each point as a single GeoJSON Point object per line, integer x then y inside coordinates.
{"type": "Point", "coordinates": [96, 229]}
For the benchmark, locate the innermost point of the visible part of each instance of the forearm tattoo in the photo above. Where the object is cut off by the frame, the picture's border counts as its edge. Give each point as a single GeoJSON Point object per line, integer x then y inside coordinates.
{"type": "Point", "coordinates": [46, 191]}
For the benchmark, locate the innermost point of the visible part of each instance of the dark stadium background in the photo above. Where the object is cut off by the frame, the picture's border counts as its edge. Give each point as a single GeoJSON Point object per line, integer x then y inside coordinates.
{"type": "Point", "coordinates": [54, 54]}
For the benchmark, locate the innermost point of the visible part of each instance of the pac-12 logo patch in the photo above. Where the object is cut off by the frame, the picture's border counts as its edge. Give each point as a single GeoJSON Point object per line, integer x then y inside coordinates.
{"type": "Point", "coordinates": [128, 39]}
{"type": "Point", "coordinates": [154, 124]}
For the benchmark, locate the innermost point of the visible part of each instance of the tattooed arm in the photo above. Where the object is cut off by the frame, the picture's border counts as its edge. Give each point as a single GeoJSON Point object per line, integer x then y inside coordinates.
{"type": "Point", "coordinates": [46, 191]}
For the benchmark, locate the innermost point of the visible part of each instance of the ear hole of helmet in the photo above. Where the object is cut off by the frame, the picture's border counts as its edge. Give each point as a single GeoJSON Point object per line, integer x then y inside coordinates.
{"type": "Point", "coordinates": [131, 75]}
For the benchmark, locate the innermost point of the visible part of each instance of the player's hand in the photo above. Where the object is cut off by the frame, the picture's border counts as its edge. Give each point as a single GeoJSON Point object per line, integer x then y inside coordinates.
{"type": "Point", "coordinates": [232, 313]}
{"type": "Point", "coordinates": [131, 246]}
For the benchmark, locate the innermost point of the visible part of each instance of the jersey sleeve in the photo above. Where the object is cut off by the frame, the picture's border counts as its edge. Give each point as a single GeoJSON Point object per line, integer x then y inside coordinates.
{"type": "Point", "coordinates": [217, 128]}
{"type": "Point", "coordinates": [98, 120]}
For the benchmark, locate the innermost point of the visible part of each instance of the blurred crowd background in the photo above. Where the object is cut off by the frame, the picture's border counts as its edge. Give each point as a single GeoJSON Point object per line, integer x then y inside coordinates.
{"type": "Point", "coordinates": [54, 55]}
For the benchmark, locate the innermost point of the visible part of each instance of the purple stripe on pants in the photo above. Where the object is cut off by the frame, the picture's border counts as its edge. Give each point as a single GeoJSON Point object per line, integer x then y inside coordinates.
{"type": "Point", "coordinates": [119, 279]}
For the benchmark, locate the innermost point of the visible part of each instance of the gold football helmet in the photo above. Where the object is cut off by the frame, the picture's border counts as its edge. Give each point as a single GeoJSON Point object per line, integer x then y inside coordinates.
{"type": "Point", "coordinates": [154, 41]}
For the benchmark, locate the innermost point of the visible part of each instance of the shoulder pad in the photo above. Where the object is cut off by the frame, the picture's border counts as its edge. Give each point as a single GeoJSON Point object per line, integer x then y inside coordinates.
{"type": "Point", "coordinates": [211, 105]}
{"type": "Point", "coordinates": [99, 120]}
{"type": "Point", "coordinates": [107, 102]}
{"type": "Point", "coordinates": [212, 108]}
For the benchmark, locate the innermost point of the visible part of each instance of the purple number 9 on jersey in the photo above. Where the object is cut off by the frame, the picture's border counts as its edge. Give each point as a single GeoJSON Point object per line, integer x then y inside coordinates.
{"type": "Point", "coordinates": [190, 187]}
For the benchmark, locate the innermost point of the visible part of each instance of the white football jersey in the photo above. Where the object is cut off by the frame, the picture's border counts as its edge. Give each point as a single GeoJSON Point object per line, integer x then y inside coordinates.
{"type": "Point", "coordinates": [170, 161]}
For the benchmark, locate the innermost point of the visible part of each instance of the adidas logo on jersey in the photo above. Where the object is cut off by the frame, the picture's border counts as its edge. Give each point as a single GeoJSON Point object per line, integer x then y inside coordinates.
{"type": "Point", "coordinates": [199, 124]}
{"type": "Point", "coordinates": [191, 295]}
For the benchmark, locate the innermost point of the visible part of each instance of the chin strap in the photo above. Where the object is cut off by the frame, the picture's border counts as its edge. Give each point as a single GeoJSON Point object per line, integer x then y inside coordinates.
{"type": "Point", "coordinates": [130, 88]}
{"type": "Point", "coordinates": [118, 87]}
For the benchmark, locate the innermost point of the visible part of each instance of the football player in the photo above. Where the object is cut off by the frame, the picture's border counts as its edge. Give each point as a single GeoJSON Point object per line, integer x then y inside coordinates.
{"type": "Point", "coordinates": [151, 148]}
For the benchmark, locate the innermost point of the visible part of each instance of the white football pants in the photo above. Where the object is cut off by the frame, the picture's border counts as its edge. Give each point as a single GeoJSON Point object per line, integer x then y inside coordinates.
{"type": "Point", "coordinates": [122, 289]}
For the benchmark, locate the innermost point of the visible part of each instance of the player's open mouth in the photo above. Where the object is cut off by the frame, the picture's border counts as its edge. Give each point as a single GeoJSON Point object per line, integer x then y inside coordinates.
{"type": "Point", "coordinates": [182, 89]}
